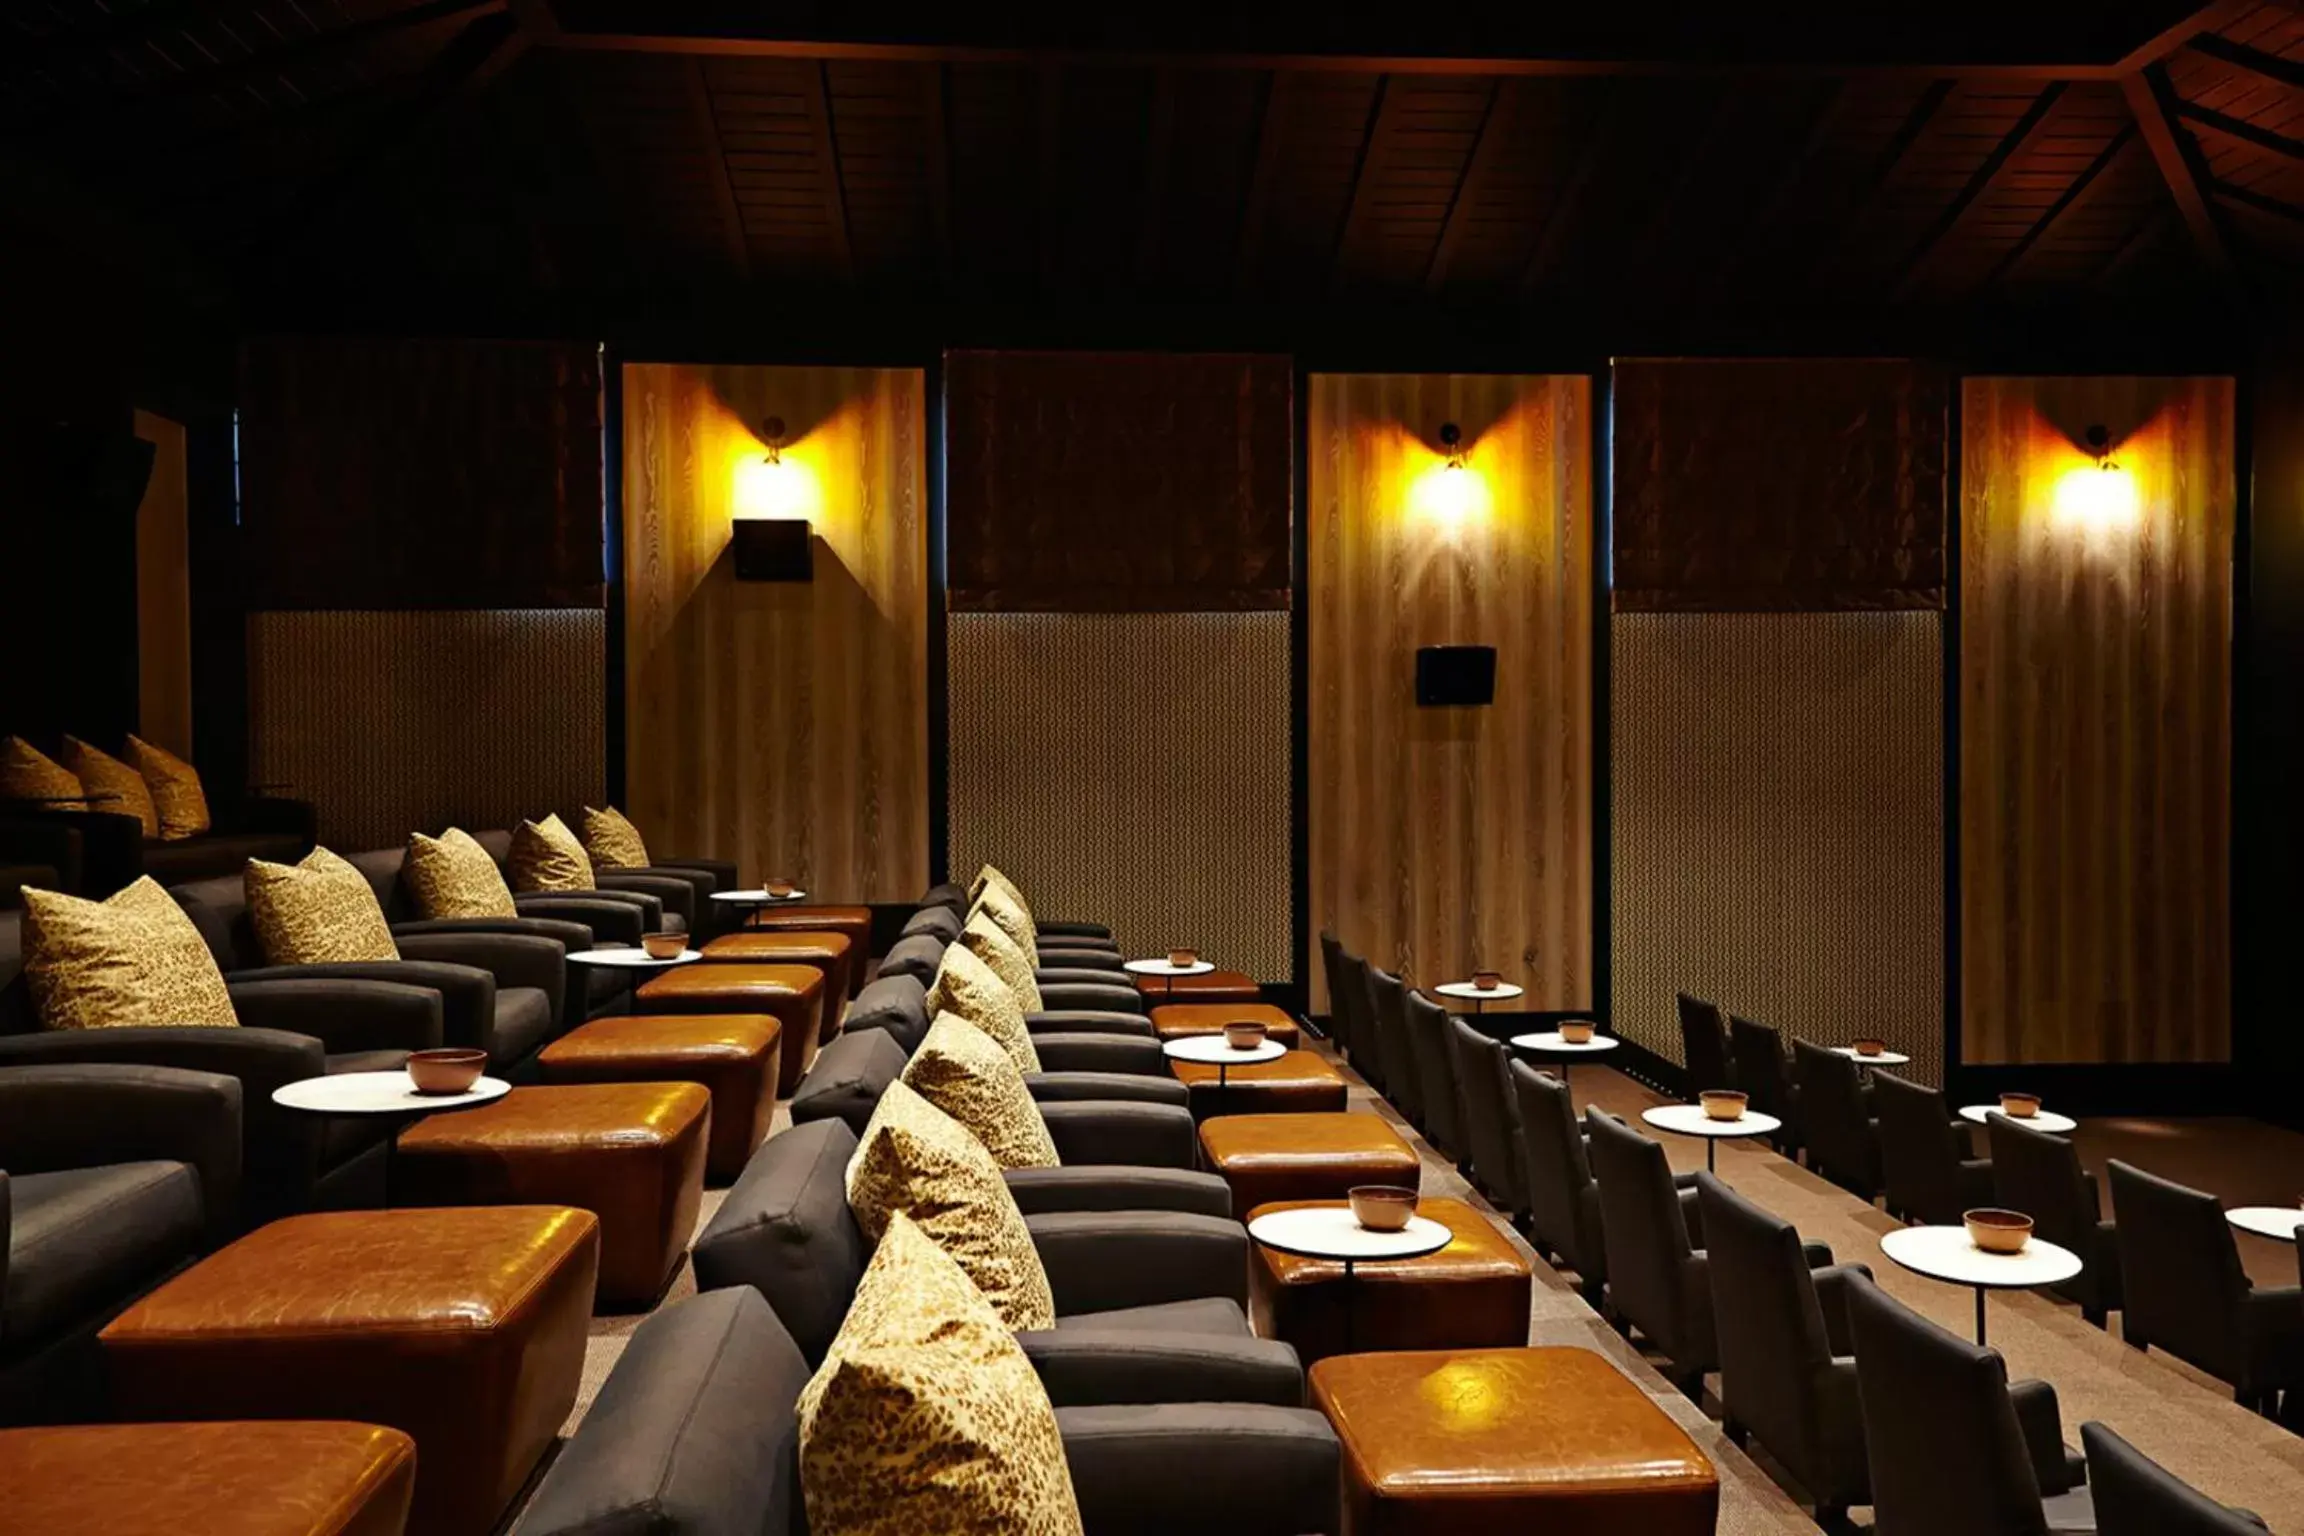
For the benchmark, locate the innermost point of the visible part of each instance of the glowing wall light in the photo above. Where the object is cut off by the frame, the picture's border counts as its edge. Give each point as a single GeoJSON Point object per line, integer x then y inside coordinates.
{"type": "Point", "coordinates": [2098, 497]}
{"type": "Point", "coordinates": [1451, 495]}
{"type": "Point", "coordinates": [774, 484]}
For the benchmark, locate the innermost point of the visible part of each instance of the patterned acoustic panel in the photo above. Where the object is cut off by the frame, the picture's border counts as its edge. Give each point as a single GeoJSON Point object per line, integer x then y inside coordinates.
{"type": "Point", "coordinates": [1130, 769]}
{"type": "Point", "coordinates": [398, 722]}
{"type": "Point", "coordinates": [1778, 828]}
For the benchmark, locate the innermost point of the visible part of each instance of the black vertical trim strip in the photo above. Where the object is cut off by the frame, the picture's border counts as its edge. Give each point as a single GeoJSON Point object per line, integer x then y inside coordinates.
{"type": "Point", "coordinates": [2264, 1091]}
{"type": "Point", "coordinates": [612, 545]}
{"type": "Point", "coordinates": [939, 696]}
{"type": "Point", "coordinates": [1949, 686]}
{"type": "Point", "coordinates": [1299, 689]}
{"type": "Point", "coordinates": [1603, 428]}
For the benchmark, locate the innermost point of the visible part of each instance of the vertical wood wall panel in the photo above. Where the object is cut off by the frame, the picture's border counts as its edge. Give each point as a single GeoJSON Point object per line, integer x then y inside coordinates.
{"type": "Point", "coordinates": [2095, 726]}
{"type": "Point", "coordinates": [783, 725]}
{"type": "Point", "coordinates": [1449, 839]}
{"type": "Point", "coordinates": [164, 592]}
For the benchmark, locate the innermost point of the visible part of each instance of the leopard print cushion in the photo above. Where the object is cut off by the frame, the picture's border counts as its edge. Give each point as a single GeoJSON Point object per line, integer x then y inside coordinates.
{"type": "Point", "coordinates": [984, 939]}
{"type": "Point", "coordinates": [918, 1160]}
{"type": "Point", "coordinates": [176, 791]}
{"type": "Point", "coordinates": [926, 1417]}
{"type": "Point", "coordinates": [964, 1072]}
{"type": "Point", "coordinates": [1013, 920]}
{"type": "Point", "coordinates": [319, 911]}
{"type": "Point", "coordinates": [612, 841]}
{"type": "Point", "coordinates": [110, 784]}
{"type": "Point", "coordinates": [452, 876]}
{"type": "Point", "coordinates": [990, 878]}
{"type": "Point", "coordinates": [133, 958]}
{"type": "Point", "coordinates": [27, 773]}
{"type": "Point", "coordinates": [547, 857]}
{"type": "Point", "coordinates": [965, 985]}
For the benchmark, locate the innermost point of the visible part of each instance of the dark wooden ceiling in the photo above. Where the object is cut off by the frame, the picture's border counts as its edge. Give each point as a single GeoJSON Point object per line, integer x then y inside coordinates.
{"type": "Point", "coordinates": [1960, 158]}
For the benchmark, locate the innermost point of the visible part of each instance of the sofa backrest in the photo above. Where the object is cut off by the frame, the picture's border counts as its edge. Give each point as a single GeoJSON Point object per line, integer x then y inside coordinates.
{"type": "Point", "coordinates": [17, 1016]}
{"type": "Point", "coordinates": [786, 1230]}
{"type": "Point", "coordinates": [896, 1004]}
{"type": "Point", "coordinates": [219, 909]}
{"type": "Point", "coordinates": [382, 867]}
{"type": "Point", "coordinates": [848, 1079]}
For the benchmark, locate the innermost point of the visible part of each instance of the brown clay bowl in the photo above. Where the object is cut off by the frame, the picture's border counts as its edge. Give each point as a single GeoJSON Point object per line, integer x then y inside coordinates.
{"type": "Point", "coordinates": [1183, 957]}
{"type": "Point", "coordinates": [453, 1070]}
{"type": "Point", "coordinates": [778, 888]}
{"type": "Point", "coordinates": [1576, 1031]}
{"type": "Point", "coordinates": [1487, 981]}
{"type": "Point", "coordinates": [1997, 1231]}
{"type": "Point", "coordinates": [1382, 1207]}
{"type": "Point", "coordinates": [1722, 1104]}
{"type": "Point", "coordinates": [2020, 1106]}
{"type": "Point", "coordinates": [1244, 1037]}
{"type": "Point", "coordinates": [664, 946]}
{"type": "Point", "coordinates": [1870, 1047]}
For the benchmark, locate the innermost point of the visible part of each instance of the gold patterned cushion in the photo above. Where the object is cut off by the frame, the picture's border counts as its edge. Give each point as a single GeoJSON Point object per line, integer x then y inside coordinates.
{"type": "Point", "coordinates": [965, 985]}
{"type": "Point", "coordinates": [964, 1072]}
{"type": "Point", "coordinates": [918, 1160]}
{"type": "Point", "coordinates": [319, 911]}
{"type": "Point", "coordinates": [1013, 920]}
{"type": "Point", "coordinates": [925, 1416]}
{"type": "Point", "coordinates": [110, 784]}
{"type": "Point", "coordinates": [989, 878]}
{"type": "Point", "coordinates": [988, 942]}
{"type": "Point", "coordinates": [176, 791]}
{"type": "Point", "coordinates": [133, 958]}
{"type": "Point", "coordinates": [452, 876]}
{"type": "Point", "coordinates": [612, 840]}
{"type": "Point", "coordinates": [27, 773]}
{"type": "Point", "coordinates": [547, 857]}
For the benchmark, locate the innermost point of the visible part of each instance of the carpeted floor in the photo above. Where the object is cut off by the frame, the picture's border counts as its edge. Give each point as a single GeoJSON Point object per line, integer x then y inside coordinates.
{"type": "Point", "coordinates": [2173, 1413]}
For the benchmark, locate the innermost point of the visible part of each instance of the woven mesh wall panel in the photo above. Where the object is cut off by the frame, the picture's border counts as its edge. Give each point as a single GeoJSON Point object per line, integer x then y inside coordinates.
{"type": "Point", "coordinates": [1778, 825]}
{"type": "Point", "coordinates": [396, 722]}
{"type": "Point", "coordinates": [1129, 769]}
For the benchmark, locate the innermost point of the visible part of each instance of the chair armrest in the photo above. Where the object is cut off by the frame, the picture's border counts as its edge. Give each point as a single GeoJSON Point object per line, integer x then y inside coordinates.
{"type": "Point", "coordinates": [1077, 930]}
{"type": "Point", "coordinates": [606, 917]}
{"type": "Point", "coordinates": [567, 933]}
{"type": "Point", "coordinates": [262, 1059]}
{"type": "Point", "coordinates": [1062, 975]}
{"type": "Point", "coordinates": [1126, 1055]}
{"type": "Point", "coordinates": [60, 1117]}
{"type": "Point", "coordinates": [1218, 1469]}
{"type": "Point", "coordinates": [45, 840]}
{"type": "Point", "coordinates": [1116, 1131]}
{"type": "Point", "coordinates": [1818, 1255]}
{"type": "Point", "coordinates": [1088, 1187]}
{"type": "Point", "coordinates": [272, 813]}
{"type": "Point", "coordinates": [467, 993]}
{"type": "Point", "coordinates": [721, 873]}
{"type": "Point", "coordinates": [1098, 1261]}
{"type": "Point", "coordinates": [514, 959]}
{"type": "Point", "coordinates": [344, 1015]}
{"type": "Point", "coordinates": [1831, 1284]}
{"type": "Point", "coordinates": [1090, 1021]}
{"type": "Point", "coordinates": [674, 893]}
{"type": "Point", "coordinates": [2042, 1422]}
{"type": "Point", "coordinates": [1102, 996]}
{"type": "Point", "coordinates": [1085, 1366]}
{"type": "Point", "coordinates": [1095, 962]}
{"type": "Point", "coordinates": [651, 908]}
{"type": "Point", "coordinates": [1139, 1087]}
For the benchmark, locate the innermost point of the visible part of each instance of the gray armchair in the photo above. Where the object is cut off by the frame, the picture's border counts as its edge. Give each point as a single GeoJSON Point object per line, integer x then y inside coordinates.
{"type": "Point", "coordinates": [1403, 1075]}
{"type": "Point", "coordinates": [1334, 961]}
{"type": "Point", "coordinates": [1756, 1053]}
{"type": "Point", "coordinates": [1704, 1044]}
{"type": "Point", "coordinates": [1563, 1199]}
{"type": "Point", "coordinates": [1836, 1119]}
{"type": "Point", "coordinates": [1439, 1076]}
{"type": "Point", "coordinates": [1067, 1040]}
{"type": "Point", "coordinates": [2040, 1175]}
{"type": "Point", "coordinates": [2136, 1496]}
{"type": "Point", "coordinates": [1491, 1120]}
{"type": "Point", "coordinates": [1925, 1171]}
{"type": "Point", "coordinates": [1070, 984]}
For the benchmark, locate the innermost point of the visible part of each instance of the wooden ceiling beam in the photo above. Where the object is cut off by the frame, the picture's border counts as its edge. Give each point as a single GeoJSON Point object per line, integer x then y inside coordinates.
{"type": "Point", "coordinates": [704, 120]}
{"type": "Point", "coordinates": [2239, 131]}
{"type": "Point", "coordinates": [1258, 204]}
{"type": "Point", "coordinates": [1497, 121]}
{"type": "Point", "coordinates": [2186, 33]}
{"type": "Point", "coordinates": [1160, 132]}
{"type": "Point", "coordinates": [816, 89]}
{"type": "Point", "coordinates": [2152, 102]}
{"type": "Point", "coordinates": [1382, 121]}
{"type": "Point", "coordinates": [1599, 140]}
{"type": "Point", "coordinates": [1978, 187]}
{"type": "Point", "coordinates": [1823, 118]}
{"type": "Point", "coordinates": [2249, 197]}
{"type": "Point", "coordinates": [2254, 60]}
{"type": "Point", "coordinates": [2083, 192]}
{"type": "Point", "coordinates": [1883, 170]}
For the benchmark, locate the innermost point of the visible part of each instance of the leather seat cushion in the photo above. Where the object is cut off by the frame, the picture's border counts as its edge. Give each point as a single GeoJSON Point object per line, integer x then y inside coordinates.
{"type": "Point", "coordinates": [853, 923]}
{"type": "Point", "coordinates": [630, 1153]}
{"type": "Point", "coordinates": [1178, 1021]}
{"type": "Point", "coordinates": [1297, 1083]}
{"type": "Point", "coordinates": [1208, 1314]}
{"type": "Point", "coordinates": [206, 858]}
{"type": "Point", "coordinates": [793, 995]}
{"type": "Point", "coordinates": [1562, 1442]}
{"type": "Point", "coordinates": [832, 953]}
{"type": "Point", "coordinates": [463, 1327]}
{"type": "Point", "coordinates": [1305, 1156]}
{"type": "Point", "coordinates": [1472, 1294]}
{"type": "Point", "coordinates": [292, 1479]}
{"type": "Point", "coordinates": [83, 1240]}
{"type": "Point", "coordinates": [1211, 987]}
{"type": "Point", "coordinates": [523, 1022]}
{"type": "Point", "coordinates": [734, 1056]}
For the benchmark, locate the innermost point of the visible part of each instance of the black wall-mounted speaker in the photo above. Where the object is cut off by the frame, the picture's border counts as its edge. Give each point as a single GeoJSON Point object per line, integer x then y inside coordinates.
{"type": "Point", "coordinates": [1455, 675]}
{"type": "Point", "coordinates": [774, 549]}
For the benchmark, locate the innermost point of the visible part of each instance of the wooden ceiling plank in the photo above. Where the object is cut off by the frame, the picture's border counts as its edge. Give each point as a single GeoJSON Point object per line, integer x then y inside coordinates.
{"type": "Point", "coordinates": [2076, 199]}
{"type": "Point", "coordinates": [1161, 135]}
{"type": "Point", "coordinates": [2270, 66]}
{"type": "Point", "coordinates": [2240, 131]}
{"type": "Point", "coordinates": [2186, 33]}
{"type": "Point", "coordinates": [1923, 111]}
{"type": "Point", "coordinates": [1599, 140]}
{"type": "Point", "coordinates": [816, 91]}
{"type": "Point", "coordinates": [1257, 207]}
{"type": "Point", "coordinates": [2152, 101]}
{"type": "Point", "coordinates": [704, 122]}
{"type": "Point", "coordinates": [1824, 118]}
{"type": "Point", "coordinates": [935, 123]}
{"type": "Point", "coordinates": [1988, 176]}
{"type": "Point", "coordinates": [1497, 121]}
{"type": "Point", "coordinates": [1376, 135]}
{"type": "Point", "coordinates": [2249, 197]}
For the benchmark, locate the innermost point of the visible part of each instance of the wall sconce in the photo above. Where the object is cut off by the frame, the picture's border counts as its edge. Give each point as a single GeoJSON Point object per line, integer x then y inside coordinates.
{"type": "Point", "coordinates": [771, 533]}
{"type": "Point", "coordinates": [1450, 493]}
{"type": "Point", "coordinates": [770, 486]}
{"type": "Point", "coordinates": [2097, 497]}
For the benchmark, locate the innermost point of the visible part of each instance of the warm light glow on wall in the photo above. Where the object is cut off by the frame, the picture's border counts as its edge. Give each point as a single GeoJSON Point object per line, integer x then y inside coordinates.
{"type": "Point", "coordinates": [779, 485]}
{"type": "Point", "coordinates": [1448, 493]}
{"type": "Point", "coordinates": [2096, 499]}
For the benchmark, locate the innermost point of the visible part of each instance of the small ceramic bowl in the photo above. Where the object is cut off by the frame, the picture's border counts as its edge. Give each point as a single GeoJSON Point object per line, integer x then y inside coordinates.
{"type": "Point", "coordinates": [2019, 1106]}
{"type": "Point", "coordinates": [1244, 1037]}
{"type": "Point", "coordinates": [1576, 1031]}
{"type": "Point", "coordinates": [664, 946]}
{"type": "Point", "coordinates": [1382, 1207]}
{"type": "Point", "coordinates": [1870, 1047]}
{"type": "Point", "coordinates": [1997, 1231]}
{"type": "Point", "coordinates": [1722, 1104]}
{"type": "Point", "coordinates": [778, 888]}
{"type": "Point", "coordinates": [1183, 957]}
{"type": "Point", "coordinates": [1487, 981]}
{"type": "Point", "coordinates": [453, 1070]}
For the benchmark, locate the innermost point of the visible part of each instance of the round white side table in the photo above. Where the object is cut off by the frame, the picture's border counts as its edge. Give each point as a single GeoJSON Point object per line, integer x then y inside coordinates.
{"type": "Point", "coordinates": [382, 1093]}
{"type": "Point", "coordinates": [2042, 1120]}
{"type": "Point", "coordinates": [756, 898]}
{"type": "Point", "coordinates": [1478, 997]}
{"type": "Point", "coordinates": [2274, 1221]}
{"type": "Point", "coordinates": [1332, 1232]}
{"type": "Point", "coordinates": [1550, 1043]}
{"type": "Point", "coordinates": [1950, 1255]}
{"type": "Point", "coordinates": [1690, 1120]}
{"type": "Point", "coordinates": [1866, 1063]}
{"type": "Point", "coordinates": [1168, 973]}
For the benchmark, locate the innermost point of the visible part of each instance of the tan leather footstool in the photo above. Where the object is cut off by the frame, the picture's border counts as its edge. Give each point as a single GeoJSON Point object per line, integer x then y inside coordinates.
{"type": "Point", "coordinates": [463, 1328]}
{"type": "Point", "coordinates": [283, 1479]}
{"type": "Point", "coordinates": [793, 995]}
{"type": "Point", "coordinates": [1177, 1021]}
{"type": "Point", "coordinates": [855, 923]}
{"type": "Point", "coordinates": [630, 1153]}
{"type": "Point", "coordinates": [733, 1055]}
{"type": "Point", "coordinates": [1208, 987]}
{"type": "Point", "coordinates": [830, 953]}
{"type": "Point", "coordinates": [1469, 1442]}
{"type": "Point", "coordinates": [1297, 1083]}
{"type": "Point", "coordinates": [1472, 1294]}
{"type": "Point", "coordinates": [1305, 1157]}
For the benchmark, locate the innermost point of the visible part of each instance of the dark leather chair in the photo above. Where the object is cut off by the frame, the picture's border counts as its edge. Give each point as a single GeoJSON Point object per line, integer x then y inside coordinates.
{"type": "Point", "coordinates": [1836, 1119]}
{"type": "Point", "coordinates": [1065, 1039]}
{"type": "Point", "coordinates": [1062, 988]}
{"type": "Point", "coordinates": [668, 902]}
{"type": "Point", "coordinates": [1332, 969]}
{"type": "Point", "coordinates": [1359, 1012]}
{"type": "Point", "coordinates": [1431, 1035]}
{"type": "Point", "coordinates": [111, 1179]}
{"type": "Point", "coordinates": [1403, 1068]}
{"type": "Point", "coordinates": [2182, 1288]}
{"type": "Point", "coordinates": [43, 851]}
{"type": "Point", "coordinates": [695, 1433]}
{"type": "Point", "coordinates": [114, 852]}
{"type": "Point", "coordinates": [1765, 1074]}
{"type": "Point", "coordinates": [2136, 1496]}
{"type": "Point", "coordinates": [1953, 1446]}
{"type": "Point", "coordinates": [1563, 1200]}
{"type": "Point", "coordinates": [2040, 1175]}
{"type": "Point", "coordinates": [1491, 1118]}
{"type": "Point", "coordinates": [1926, 1173]}
{"type": "Point", "coordinates": [1704, 1045]}
{"type": "Point", "coordinates": [1787, 1365]}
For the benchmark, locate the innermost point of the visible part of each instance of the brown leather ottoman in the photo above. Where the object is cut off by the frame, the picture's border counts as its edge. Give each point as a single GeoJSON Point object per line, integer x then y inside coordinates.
{"type": "Point", "coordinates": [854, 923]}
{"type": "Point", "coordinates": [630, 1153]}
{"type": "Point", "coordinates": [462, 1327]}
{"type": "Point", "coordinates": [1472, 1294]}
{"type": "Point", "coordinates": [240, 1479]}
{"type": "Point", "coordinates": [830, 953]}
{"type": "Point", "coordinates": [1305, 1157]}
{"type": "Point", "coordinates": [1470, 1442]}
{"type": "Point", "coordinates": [1297, 1083]}
{"type": "Point", "coordinates": [1209, 987]}
{"type": "Point", "coordinates": [1177, 1021]}
{"type": "Point", "coordinates": [793, 995]}
{"type": "Point", "coordinates": [734, 1056]}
